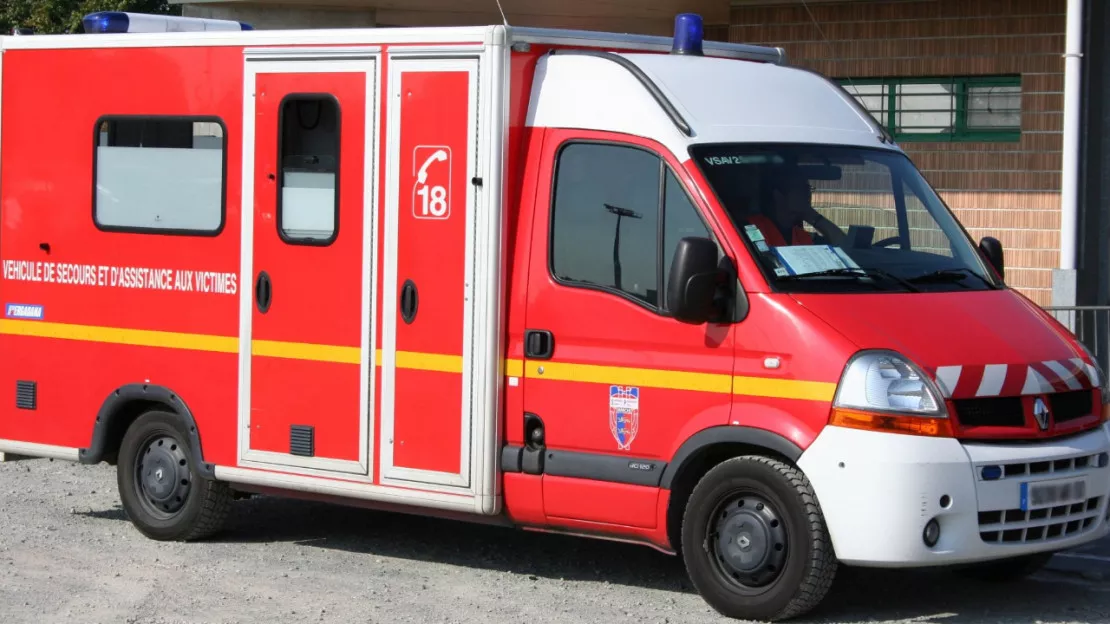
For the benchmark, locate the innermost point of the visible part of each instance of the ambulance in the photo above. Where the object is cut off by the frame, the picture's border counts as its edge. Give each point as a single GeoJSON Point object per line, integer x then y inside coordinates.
{"type": "Point", "coordinates": [660, 290]}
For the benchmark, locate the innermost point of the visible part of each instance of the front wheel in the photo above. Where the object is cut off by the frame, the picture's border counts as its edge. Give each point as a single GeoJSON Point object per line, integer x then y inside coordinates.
{"type": "Point", "coordinates": [754, 540]}
{"type": "Point", "coordinates": [159, 487]}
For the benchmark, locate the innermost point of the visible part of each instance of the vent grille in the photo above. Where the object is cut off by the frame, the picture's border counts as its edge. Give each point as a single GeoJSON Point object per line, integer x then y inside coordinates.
{"type": "Point", "coordinates": [1067, 406]}
{"type": "Point", "coordinates": [991, 412]}
{"type": "Point", "coordinates": [302, 440]}
{"type": "Point", "coordinates": [1060, 467]}
{"type": "Point", "coordinates": [1014, 526]}
{"type": "Point", "coordinates": [26, 395]}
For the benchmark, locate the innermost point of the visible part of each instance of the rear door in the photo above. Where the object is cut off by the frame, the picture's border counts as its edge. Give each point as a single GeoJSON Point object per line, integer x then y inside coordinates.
{"type": "Point", "coordinates": [432, 422]}
{"type": "Point", "coordinates": [307, 230]}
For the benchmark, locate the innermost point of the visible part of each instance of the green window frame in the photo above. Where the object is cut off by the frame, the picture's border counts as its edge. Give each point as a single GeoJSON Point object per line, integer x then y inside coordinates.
{"type": "Point", "coordinates": [912, 109]}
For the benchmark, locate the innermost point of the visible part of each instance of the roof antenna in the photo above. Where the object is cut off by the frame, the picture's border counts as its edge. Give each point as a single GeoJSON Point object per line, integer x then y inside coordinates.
{"type": "Point", "coordinates": [503, 18]}
{"type": "Point", "coordinates": [883, 133]}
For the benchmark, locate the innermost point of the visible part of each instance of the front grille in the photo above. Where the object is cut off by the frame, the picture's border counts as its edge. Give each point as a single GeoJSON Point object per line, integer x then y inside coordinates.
{"type": "Point", "coordinates": [1067, 406]}
{"type": "Point", "coordinates": [1061, 467]}
{"type": "Point", "coordinates": [1014, 526]}
{"type": "Point", "coordinates": [990, 412]}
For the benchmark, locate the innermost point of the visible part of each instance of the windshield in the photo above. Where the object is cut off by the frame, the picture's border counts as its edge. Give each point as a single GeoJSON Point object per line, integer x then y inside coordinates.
{"type": "Point", "coordinates": [823, 218]}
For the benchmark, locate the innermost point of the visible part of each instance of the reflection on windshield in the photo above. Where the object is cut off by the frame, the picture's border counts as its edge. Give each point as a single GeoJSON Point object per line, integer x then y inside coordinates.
{"type": "Point", "coordinates": [841, 219]}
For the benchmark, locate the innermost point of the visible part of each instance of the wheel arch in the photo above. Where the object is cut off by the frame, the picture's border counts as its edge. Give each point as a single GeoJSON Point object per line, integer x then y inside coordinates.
{"type": "Point", "coordinates": [706, 449]}
{"type": "Point", "coordinates": [123, 406]}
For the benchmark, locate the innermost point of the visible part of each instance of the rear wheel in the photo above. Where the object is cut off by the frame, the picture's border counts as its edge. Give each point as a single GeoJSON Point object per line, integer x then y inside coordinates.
{"type": "Point", "coordinates": [1006, 570]}
{"type": "Point", "coordinates": [159, 486]}
{"type": "Point", "coordinates": [754, 540]}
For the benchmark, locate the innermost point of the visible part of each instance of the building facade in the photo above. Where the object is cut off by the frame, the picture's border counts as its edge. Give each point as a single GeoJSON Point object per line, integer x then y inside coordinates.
{"type": "Point", "coordinates": [973, 90]}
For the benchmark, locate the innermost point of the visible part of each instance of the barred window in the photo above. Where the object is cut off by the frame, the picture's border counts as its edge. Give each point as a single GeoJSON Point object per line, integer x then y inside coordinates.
{"type": "Point", "coordinates": [980, 108]}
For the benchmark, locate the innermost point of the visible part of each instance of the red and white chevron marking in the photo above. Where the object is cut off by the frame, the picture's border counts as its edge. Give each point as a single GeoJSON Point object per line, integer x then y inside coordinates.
{"type": "Point", "coordinates": [959, 382]}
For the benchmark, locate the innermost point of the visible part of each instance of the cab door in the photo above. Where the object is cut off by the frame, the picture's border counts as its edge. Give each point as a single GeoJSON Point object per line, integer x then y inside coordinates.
{"type": "Point", "coordinates": [614, 379]}
{"type": "Point", "coordinates": [308, 214]}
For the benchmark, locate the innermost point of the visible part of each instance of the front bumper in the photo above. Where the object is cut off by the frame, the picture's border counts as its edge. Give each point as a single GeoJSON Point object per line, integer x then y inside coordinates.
{"type": "Point", "coordinates": [878, 491]}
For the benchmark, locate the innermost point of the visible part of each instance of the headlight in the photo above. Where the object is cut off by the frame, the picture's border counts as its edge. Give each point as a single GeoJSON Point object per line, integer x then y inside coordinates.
{"type": "Point", "coordinates": [883, 381]}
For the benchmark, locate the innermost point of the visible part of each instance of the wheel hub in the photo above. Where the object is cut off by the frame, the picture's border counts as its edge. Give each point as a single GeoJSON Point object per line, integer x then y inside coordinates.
{"type": "Point", "coordinates": [163, 474]}
{"type": "Point", "coordinates": [749, 541]}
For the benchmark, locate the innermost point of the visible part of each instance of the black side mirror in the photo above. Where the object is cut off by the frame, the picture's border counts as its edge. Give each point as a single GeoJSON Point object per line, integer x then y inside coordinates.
{"type": "Point", "coordinates": [692, 283]}
{"type": "Point", "coordinates": [992, 249]}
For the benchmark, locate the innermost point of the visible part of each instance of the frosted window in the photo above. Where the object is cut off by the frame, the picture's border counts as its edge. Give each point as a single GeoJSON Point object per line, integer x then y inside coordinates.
{"type": "Point", "coordinates": [994, 106]}
{"type": "Point", "coordinates": [156, 174]}
{"type": "Point", "coordinates": [873, 98]}
{"type": "Point", "coordinates": [309, 200]}
{"type": "Point", "coordinates": [925, 108]}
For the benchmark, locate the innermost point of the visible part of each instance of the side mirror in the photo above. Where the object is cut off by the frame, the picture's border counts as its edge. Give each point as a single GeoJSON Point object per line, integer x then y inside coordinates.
{"type": "Point", "coordinates": [992, 249]}
{"type": "Point", "coordinates": [692, 283]}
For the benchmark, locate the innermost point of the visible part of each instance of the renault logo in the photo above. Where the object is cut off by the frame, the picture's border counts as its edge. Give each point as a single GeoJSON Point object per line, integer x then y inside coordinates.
{"type": "Point", "coordinates": [1040, 412]}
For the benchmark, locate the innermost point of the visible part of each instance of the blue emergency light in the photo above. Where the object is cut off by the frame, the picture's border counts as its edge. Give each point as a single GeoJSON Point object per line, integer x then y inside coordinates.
{"type": "Point", "coordinates": [104, 22]}
{"type": "Point", "coordinates": [688, 34]}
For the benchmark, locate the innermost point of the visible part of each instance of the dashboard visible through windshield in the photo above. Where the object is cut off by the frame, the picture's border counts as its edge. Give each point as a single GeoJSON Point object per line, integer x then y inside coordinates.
{"type": "Point", "coordinates": [823, 218]}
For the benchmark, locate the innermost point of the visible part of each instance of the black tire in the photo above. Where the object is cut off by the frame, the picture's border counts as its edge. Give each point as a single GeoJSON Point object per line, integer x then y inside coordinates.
{"type": "Point", "coordinates": [786, 564]}
{"type": "Point", "coordinates": [1006, 570]}
{"type": "Point", "coordinates": [178, 507]}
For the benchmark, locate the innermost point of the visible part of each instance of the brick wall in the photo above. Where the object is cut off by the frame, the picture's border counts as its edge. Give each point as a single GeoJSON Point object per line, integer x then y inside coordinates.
{"type": "Point", "coordinates": [1007, 190]}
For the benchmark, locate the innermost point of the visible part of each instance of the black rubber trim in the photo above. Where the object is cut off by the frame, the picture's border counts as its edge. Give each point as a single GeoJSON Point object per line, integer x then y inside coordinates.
{"type": "Point", "coordinates": [611, 468]}
{"type": "Point", "coordinates": [112, 408]}
{"type": "Point", "coordinates": [727, 434]}
{"type": "Point", "coordinates": [652, 88]}
{"type": "Point", "coordinates": [592, 466]}
{"type": "Point", "coordinates": [510, 458]}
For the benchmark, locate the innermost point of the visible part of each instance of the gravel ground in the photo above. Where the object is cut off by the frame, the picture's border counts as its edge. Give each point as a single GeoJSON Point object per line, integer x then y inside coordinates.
{"type": "Point", "coordinates": [68, 553]}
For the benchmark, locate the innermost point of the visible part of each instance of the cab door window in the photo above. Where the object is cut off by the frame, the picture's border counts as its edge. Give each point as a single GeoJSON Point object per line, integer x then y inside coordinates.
{"type": "Point", "coordinates": [618, 213]}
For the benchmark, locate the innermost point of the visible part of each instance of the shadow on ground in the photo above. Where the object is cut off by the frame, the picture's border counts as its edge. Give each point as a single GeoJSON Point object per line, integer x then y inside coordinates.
{"type": "Point", "coordinates": [858, 594]}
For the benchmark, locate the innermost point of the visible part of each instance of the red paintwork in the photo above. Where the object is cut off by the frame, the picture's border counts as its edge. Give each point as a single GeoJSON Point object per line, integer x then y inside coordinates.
{"type": "Point", "coordinates": [610, 503]}
{"type": "Point", "coordinates": [288, 392]}
{"type": "Point", "coordinates": [45, 191]}
{"type": "Point", "coordinates": [939, 329]}
{"type": "Point", "coordinates": [431, 252]}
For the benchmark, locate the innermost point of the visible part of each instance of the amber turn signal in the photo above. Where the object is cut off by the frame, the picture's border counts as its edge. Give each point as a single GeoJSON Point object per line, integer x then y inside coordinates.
{"type": "Point", "coordinates": [891, 423]}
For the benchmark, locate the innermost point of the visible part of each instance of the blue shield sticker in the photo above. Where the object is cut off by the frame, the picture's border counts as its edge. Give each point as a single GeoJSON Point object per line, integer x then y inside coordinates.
{"type": "Point", "coordinates": [624, 414]}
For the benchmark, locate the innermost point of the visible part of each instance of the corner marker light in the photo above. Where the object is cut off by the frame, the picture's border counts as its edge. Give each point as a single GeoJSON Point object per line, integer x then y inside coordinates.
{"type": "Point", "coordinates": [687, 34]}
{"type": "Point", "coordinates": [104, 22]}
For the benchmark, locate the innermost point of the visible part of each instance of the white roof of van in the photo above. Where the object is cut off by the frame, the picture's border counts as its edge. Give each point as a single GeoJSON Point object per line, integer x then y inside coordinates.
{"type": "Point", "coordinates": [711, 100]}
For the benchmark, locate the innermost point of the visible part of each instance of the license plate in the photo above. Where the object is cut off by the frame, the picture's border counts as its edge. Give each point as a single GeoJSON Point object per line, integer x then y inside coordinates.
{"type": "Point", "coordinates": [1041, 494]}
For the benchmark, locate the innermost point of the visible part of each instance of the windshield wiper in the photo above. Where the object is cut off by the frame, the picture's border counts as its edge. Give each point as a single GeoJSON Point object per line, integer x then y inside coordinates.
{"type": "Point", "coordinates": [950, 275]}
{"type": "Point", "coordinates": [854, 272]}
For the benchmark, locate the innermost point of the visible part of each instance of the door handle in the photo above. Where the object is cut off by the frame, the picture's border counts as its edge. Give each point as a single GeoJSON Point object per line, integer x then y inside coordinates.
{"type": "Point", "coordinates": [539, 344]}
{"type": "Point", "coordinates": [410, 301]}
{"type": "Point", "coordinates": [263, 292]}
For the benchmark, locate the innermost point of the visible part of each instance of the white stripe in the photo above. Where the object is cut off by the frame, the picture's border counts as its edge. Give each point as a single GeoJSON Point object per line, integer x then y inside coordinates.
{"type": "Point", "coordinates": [1080, 364]}
{"type": "Point", "coordinates": [1035, 383]}
{"type": "Point", "coordinates": [947, 378]}
{"type": "Point", "coordinates": [994, 375]}
{"type": "Point", "coordinates": [1092, 372]}
{"type": "Point", "coordinates": [1065, 374]}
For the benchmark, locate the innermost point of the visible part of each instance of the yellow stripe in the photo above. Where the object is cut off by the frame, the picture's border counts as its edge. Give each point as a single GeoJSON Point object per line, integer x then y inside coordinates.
{"type": "Point", "coordinates": [783, 388]}
{"type": "Point", "coordinates": [306, 351]}
{"type": "Point", "coordinates": [583, 373]}
{"type": "Point", "coordinates": [514, 368]}
{"type": "Point", "coordinates": [430, 362]}
{"type": "Point", "coordinates": [115, 335]}
{"type": "Point", "coordinates": [682, 380]}
{"type": "Point", "coordinates": [646, 377]}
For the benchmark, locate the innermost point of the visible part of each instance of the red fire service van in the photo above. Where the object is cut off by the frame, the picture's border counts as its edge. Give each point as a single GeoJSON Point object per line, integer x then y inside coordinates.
{"type": "Point", "coordinates": [658, 290]}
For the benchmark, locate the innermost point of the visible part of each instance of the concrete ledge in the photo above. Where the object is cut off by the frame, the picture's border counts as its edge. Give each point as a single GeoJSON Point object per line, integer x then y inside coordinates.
{"type": "Point", "coordinates": [2, 457]}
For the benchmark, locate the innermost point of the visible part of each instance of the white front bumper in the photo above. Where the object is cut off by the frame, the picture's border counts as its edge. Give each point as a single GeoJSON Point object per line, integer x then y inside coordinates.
{"type": "Point", "coordinates": [878, 491]}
